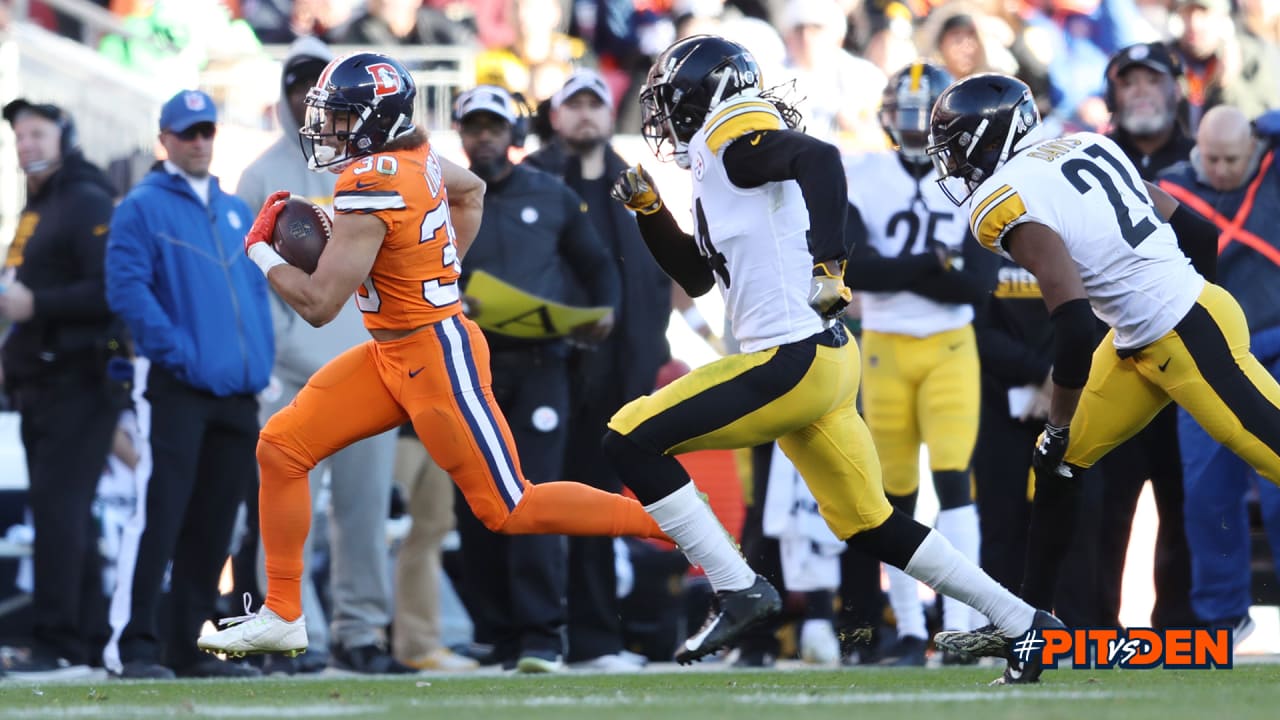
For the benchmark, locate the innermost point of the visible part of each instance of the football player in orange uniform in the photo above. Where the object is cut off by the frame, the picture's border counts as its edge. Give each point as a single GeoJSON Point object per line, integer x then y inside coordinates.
{"type": "Point", "coordinates": [398, 236]}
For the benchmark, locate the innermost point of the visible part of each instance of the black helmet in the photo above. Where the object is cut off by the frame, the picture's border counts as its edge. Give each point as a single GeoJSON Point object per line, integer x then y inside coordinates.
{"type": "Point", "coordinates": [686, 81]}
{"type": "Point", "coordinates": [976, 124]}
{"type": "Point", "coordinates": [375, 91]}
{"type": "Point", "coordinates": [906, 105]}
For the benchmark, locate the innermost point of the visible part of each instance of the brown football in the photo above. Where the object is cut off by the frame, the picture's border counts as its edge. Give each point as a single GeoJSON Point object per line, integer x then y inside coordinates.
{"type": "Point", "coordinates": [302, 230]}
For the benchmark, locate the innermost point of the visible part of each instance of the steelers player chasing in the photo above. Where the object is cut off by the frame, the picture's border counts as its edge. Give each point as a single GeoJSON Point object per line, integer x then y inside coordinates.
{"type": "Point", "coordinates": [1075, 213]}
{"type": "Point", "coordinates": [779, 267]}
{"type": "Point", "coordinates": [921, 379]}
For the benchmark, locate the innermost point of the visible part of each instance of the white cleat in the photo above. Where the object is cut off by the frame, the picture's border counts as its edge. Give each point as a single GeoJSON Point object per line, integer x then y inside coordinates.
{"type": "Point", "coordinates": [257, 633]}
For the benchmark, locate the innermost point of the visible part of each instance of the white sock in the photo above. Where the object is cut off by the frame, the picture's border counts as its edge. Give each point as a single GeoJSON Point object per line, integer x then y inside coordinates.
{"type": "Point", "coordinates": [687, 520]}
{"type": "Point", "coordinates": [937, 564]}
{"type": "Point", "coordinates": [904, 597]}
{"type": "Point", "coordinates": [960, 527]}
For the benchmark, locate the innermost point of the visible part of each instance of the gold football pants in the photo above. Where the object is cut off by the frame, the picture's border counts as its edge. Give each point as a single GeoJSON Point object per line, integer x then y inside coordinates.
{"type": "Point", "coordinates": [1204, 365]}
{"type": "Point", "coordinates": [801, 394]}
{"type": "Point", "coordinates": [921, 389]}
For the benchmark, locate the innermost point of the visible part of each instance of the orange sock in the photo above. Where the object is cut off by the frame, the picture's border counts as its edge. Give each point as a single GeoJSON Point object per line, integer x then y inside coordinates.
{"type": "Point", "coordinates": [284, 515]}
{"type": "Point", "coordinates": [570, 508]}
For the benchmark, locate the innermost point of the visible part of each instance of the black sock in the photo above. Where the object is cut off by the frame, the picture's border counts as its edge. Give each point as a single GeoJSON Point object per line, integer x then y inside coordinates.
{"type": "Point", "coordinates": [1053, 522]}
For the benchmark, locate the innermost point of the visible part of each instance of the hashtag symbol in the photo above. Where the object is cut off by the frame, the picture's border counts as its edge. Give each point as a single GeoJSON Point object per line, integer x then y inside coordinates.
{"type": "Point", "coordinates": [1026, 646]}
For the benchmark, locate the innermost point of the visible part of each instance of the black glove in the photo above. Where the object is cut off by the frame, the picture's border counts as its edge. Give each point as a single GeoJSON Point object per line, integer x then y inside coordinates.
{"type": "Point", "coordinates": [1051, 447]}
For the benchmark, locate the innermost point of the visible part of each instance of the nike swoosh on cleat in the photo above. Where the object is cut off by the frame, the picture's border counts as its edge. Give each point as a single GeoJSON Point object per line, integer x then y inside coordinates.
{"type": "Point", "coordinates": [695, 642]}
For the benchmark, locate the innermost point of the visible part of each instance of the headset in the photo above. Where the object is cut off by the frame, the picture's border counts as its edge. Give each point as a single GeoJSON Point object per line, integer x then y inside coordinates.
{"type": "Point", "coordinates": [523, 110]}
{"type": "Point", "coordinates": [68, 138]}
{"type": "Point", "coordinates": [1112, 71]}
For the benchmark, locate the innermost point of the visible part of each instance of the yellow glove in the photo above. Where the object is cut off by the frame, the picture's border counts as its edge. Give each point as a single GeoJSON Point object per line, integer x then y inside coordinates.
{"type": "Point", "coordinates": [635, 189]}
{"type": "Point", "coordinates": [829, 296]}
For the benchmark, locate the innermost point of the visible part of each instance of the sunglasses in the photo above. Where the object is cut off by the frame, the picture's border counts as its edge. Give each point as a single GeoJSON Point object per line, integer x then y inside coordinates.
{"type": "Point", "coordinates": [205, 130]}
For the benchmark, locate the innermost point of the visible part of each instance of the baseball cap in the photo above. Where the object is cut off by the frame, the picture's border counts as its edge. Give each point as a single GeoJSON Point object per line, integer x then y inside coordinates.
{"type": "Point", "coordinates": [48, 111]}
{"type": "Point", "coordinates": [1154, 55]}
{"type": "Point", "coordinates": [485, 98]}
{"type": "Point", "coordinates": [583, 79]}
{"type": "Point", "coordinates": [185, 109]}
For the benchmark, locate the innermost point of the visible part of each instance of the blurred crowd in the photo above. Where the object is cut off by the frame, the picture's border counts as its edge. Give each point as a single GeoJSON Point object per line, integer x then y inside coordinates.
{"type": "Point", "coordinates": [1145, 71]}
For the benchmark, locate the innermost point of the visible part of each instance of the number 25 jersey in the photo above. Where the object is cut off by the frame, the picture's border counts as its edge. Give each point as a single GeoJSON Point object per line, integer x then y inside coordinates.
{"type": "Point", "coordinates": [1084, 188]}
{"type": "Point", "coordinates": [414, 279]}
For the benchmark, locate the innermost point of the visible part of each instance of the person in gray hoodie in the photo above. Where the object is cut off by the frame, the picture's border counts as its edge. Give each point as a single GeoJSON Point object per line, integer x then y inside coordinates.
{"type": "Point", "coordinates": [360, 475]}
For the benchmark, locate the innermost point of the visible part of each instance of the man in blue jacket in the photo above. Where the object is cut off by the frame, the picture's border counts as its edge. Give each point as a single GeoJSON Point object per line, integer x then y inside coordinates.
{"type": "Point", "coordinates": [197, 309]}
{"type": "Point", "coordinates": [1232, 179]}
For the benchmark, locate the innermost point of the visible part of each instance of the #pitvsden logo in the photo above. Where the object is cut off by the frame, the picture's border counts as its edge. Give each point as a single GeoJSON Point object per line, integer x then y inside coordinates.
{"type": "Point", "coordinates": [1132, 648]}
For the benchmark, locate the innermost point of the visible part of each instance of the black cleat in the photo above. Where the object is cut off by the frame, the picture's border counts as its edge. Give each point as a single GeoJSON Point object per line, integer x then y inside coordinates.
{"type": "Point", "coordinates": [1026, 670]}
{"type": "Point", "coordinates": [988, 641]}
{"type": "Point", "coordinates": [732, 612]}
{"type": "Point", "coordinates": [908, 651]}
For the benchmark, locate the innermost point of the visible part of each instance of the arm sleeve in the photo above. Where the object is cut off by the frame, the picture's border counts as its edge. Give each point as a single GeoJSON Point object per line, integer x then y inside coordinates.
{"type": "Point", "coordinates": [586, 255]}
{"type": "Point", "coordinates": [778, 155]}
{"type": "Point", "coordinates": [130, 276]}
{"type": "Point", "coordinates": [870, 271]}
{"type": "Point", "coordinates": [1198, 240]}
{"type": "Point", "coordinates": [676, 252]}
{"type": "Point", "coordinates": [965, 287]}
{"type": "Point", "coordinates": [86, 242]}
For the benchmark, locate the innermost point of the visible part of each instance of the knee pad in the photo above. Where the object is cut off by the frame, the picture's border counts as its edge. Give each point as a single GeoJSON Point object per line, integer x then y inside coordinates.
{"type": "Point", "coordinates": [952, 487]}
{"type": "Point", "coordinates": [650, 475]}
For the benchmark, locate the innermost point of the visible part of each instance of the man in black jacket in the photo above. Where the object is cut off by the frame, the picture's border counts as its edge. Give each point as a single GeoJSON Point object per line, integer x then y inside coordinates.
{"type": "Point", "coordinates": [622, 367]}
{"type": "Point", "coordinates": [55, 370]}
{"type": "Point", "coordinates": [536, 235]}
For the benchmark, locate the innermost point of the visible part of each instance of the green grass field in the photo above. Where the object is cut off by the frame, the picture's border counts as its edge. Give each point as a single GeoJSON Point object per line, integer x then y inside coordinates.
{"type": "Point", "coordinates": [1248, 691]}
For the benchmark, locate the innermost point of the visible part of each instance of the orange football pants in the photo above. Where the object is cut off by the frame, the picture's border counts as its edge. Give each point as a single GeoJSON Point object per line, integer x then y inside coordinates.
{"type": "Point", "coordinates": [439, 378]}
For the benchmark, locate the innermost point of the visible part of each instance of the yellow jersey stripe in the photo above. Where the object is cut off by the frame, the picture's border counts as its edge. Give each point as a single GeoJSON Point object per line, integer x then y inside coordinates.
{"type": "Point", "coordinates": [738, 107]}
{"type": "Point", "coordinates": [973, 218]}
{"type": "Point", "coordinates": [917, 70]}
{"type": "Point", "coordinates": [992, 225]}
{"type": "Point", "coordinates": [735, 127]}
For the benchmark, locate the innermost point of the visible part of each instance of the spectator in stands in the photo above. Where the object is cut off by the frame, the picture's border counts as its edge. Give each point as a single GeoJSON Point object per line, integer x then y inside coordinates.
{"type": "Point", "coordinates": [536, 235]}
{"type": "Point", "coordinates": [198, 310]}
{"type": "Point", "coordinates": [1261, 19]}
{"type": "Point", "coordinates": [282, 21]}
{"type": "Point", "coordinates": [606, 376]}
{"type": "Point", "coordinates": [405, 22]}
{"type": "Point", "coordinates": [360, 474]}
{"type": "Point", "coordinates": [542, 45]}
{"type": "Point", "coordinates": [1224, 67]}
{"type": "Point", "coordinates": [840, 91]}
{"type": "Point", "coordinates": [1233, 179]}
{"type": "Point", "coordinates": [428, 490]}
{"type": "Point", "coordinates": [55, 370]}
{"type": "Point", "coordinates": [1143, 95]}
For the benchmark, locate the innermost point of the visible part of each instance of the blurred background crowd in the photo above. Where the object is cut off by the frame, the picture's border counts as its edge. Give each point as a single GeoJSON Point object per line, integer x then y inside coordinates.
{"type": "Point", "coordinates": [106, 69]}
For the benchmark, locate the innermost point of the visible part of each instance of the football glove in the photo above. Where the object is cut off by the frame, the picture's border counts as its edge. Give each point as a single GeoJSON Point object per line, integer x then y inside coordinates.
{"type": "Point", "coordinates": [635, 189]}
{"type": "Point", "coordinates": [950, 258]}
{"type": "Point", "coordinates": [829, 296]}
{"type": "Point", "coordinates": [1051, 448]}
{"type": "Point", "coordinates": [264, 225]}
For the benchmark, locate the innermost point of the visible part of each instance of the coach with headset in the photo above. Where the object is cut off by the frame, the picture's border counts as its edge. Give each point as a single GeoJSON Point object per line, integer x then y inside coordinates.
{"type": "Point", "coordinates": [536, 235]}
{"type": "Point", "coordinates": [55, 363]}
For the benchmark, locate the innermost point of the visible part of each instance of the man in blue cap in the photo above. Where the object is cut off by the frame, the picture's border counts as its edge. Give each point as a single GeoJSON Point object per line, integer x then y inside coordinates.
{"type": "Point", "coordinates": [197, 310]}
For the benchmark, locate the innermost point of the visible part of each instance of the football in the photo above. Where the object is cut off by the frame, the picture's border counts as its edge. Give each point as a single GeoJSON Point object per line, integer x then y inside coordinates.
{"type": "Point", "coordinates": [302, 230]}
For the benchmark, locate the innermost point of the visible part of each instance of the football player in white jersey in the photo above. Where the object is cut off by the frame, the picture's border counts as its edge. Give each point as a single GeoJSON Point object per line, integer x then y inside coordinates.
{"type": "Point", "coordinates": [1075, 212]}
{"type": "Point", "coordinates": [920, 359]}
{"type": "Point", "coordinates": [769, 207]}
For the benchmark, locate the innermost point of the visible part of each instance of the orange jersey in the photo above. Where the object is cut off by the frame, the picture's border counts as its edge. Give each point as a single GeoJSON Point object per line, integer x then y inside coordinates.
{"type": "Point", "coordinates": [414, 279]}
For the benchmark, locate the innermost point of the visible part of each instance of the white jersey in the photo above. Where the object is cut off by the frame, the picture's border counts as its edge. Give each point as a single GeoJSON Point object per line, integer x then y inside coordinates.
{"type": "Point", "coordinates": [902, 216]}
{"type": "Point", "coordinates": [754, 239]}
{"type": "Point", "coordinates": [1084, 188]}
